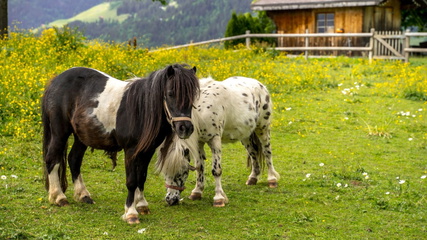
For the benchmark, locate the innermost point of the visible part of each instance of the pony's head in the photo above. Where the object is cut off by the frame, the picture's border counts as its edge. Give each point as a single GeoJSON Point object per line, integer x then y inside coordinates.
{"type": "Point", "coordinates": [174, 163]}
{"type": "Point", "coordinates": [167, 93]}
{"type": "Point", "coordinates": [182, 87]}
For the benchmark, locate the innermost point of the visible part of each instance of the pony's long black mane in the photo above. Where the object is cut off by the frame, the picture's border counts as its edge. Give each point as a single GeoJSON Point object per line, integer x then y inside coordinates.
{"type": "Point", "coordinates": [144, 101]}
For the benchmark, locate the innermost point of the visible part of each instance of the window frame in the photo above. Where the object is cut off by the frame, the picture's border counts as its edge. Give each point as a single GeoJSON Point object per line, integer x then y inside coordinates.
{"type": "Point", "coordinates": [323, 21]}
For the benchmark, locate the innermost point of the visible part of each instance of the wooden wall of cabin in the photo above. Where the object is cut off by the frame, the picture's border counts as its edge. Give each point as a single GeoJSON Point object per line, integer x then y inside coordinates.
{"type": "Point", "coordinates": [351, 20]}
{"type": "Point", "coordinates": [386, 17]}
{"type": "Point", "coordinates": [297, 21]}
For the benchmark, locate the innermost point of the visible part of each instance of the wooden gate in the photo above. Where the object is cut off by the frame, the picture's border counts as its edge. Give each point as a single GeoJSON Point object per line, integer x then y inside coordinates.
{"type": "Point", "coordinates": [389, 45]}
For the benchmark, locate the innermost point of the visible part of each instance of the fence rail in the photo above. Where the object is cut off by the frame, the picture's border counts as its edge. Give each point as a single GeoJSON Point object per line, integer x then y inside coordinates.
{"type": "Point", "coordinates": [395, 45]}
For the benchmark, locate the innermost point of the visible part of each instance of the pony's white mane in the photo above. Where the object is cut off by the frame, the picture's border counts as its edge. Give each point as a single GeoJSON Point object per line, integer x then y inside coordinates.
{"type": "Point", "coordinates": [174, 160]}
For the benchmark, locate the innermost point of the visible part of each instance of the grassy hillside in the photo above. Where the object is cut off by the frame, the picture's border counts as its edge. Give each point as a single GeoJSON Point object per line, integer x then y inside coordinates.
{"type": "Point", "coordinates": [179, 22]}
{"type": "Point", "coordinates": [349, 139]}
{"type": "Point", "coordinates": [104, 11]}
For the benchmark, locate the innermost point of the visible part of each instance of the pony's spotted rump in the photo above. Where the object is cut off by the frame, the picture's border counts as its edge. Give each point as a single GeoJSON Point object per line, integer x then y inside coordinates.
{"type": "Point", "coordinates": [236, 109]}
{"type": "Point", "coordinates": [102, 112]}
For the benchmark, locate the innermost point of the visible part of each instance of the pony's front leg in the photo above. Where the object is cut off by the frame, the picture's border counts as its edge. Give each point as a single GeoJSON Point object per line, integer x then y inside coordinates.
{"type": "Point", "coordinates": [141, 203]}
{"type": "Point", "coordinates": [220, 199]}
{"type": "Point", "coordinates": [196, 193]}
{"type": "Point", "coordinates": [136, 175]}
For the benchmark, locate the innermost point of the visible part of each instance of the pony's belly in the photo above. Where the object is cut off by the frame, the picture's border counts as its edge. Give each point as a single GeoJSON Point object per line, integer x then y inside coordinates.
{"type": "Point", "coordinates": [92, 132]}
{"type": "Point", "coordinates": [234, 136]}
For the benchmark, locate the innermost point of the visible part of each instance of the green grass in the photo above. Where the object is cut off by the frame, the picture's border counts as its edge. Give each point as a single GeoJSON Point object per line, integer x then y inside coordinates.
{"type": "Point", "coordinates": [335, 201]}
{"type": "Point", "coordinates": [352, 166]}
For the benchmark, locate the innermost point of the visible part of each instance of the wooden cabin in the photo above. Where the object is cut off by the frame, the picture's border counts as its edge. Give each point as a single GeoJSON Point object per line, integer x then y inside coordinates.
{"type": "Point", "coordinates": [332, 16]}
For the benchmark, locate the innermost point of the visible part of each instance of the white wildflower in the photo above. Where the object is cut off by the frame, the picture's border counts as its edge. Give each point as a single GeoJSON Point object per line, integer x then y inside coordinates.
{"type": "Point", "coordinates": [423, 176]}
{"type": "Point", "coordinates": [402, 181]}
{"type": "Point", "coordinates": [321, 164]}
{"type": "Point", "coordinates": [3, 177]}
{"type": "Point", "coordinates": [142, 230]}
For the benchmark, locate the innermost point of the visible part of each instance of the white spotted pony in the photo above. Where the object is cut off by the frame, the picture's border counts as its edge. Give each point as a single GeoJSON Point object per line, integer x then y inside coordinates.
{"type": "Point", "coordinates": [236, 109]}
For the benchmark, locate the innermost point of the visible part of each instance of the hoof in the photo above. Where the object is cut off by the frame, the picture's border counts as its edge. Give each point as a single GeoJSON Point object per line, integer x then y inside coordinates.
{"type": "Point", "coordinates": [87, 199]}
{"type": "Point", "coordinates": [63, 202]}
{"type": "Point", "coordinates": [132, 219]}
{"type": "Point", "coordinates": [272, 184]}
{"type": "Point", "coordinates": [195, 196]}
{"type": "Point", "coordinates": [251, 181]}
{"type": "Point", "coordinates": [219, 203]}
{"type": "Point", "coordinates": [143, 210]}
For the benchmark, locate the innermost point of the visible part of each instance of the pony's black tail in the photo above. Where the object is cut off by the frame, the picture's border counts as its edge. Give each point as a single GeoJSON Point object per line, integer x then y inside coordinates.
{"type": "Point", "coordinates": [259, 148]}
{"type": "Point", "coordinates": [62, 164]}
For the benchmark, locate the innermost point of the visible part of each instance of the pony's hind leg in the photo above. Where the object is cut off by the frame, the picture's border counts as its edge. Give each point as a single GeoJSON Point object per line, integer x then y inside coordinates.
{"type": "Point", "coordinates": [54, 158]}
{"type": "Point", "coordinates": [75, 158]}
{"type": "Point", "coordinates": [259, 153]}
{"type": "Point", "coordinates": [253, 160]}
{"type": "Point", "coordinates": [264, 138]}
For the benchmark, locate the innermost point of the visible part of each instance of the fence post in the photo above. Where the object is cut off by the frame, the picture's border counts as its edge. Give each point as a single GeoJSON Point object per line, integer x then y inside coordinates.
{"type": "Point", "coordinates": [371, 45]}
{"type": "Point", "coordinates": [306, 44]}
{"type": "Point", "coordinates": [406, 45]}
{"type": "Point", "coordinates": [248, 39]}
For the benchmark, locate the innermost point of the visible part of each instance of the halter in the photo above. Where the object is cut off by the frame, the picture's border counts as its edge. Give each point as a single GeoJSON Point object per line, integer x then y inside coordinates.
{"type": "Point", "coordinates": [169, 116]}
{"type": "Point", "coordinates": [175, 187]}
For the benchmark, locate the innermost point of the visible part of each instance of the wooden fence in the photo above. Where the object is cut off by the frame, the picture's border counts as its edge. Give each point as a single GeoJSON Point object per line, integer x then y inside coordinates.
{"type": "Point", "coordinates": [380, 45]}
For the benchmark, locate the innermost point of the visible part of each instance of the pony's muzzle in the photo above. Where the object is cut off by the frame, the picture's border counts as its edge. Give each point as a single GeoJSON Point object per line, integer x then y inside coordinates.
{"type": "Point", "coordinates": [183, 129]}
{"type": "Point", "coordinates": [173, 195]}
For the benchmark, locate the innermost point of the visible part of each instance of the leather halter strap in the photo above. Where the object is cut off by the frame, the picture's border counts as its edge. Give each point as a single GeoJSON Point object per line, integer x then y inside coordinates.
{"type": "Point", "coordinates": [175, 187]}
{"type": "Point", "coordinates": [169, 116]}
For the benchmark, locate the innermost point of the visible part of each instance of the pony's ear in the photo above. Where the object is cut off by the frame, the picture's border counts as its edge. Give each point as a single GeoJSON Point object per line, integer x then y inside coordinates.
{"type": "Point", "coordinates": [170, 71]}
{"type": "Point", "coordinates": [194, 69]}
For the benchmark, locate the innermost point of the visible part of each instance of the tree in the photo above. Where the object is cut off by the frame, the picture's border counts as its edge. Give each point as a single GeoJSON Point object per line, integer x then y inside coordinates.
{"type": "Point", "coordinates": [238, 25]}
{"type": "Point", "coordinates": [416, 17]}
{"type": "Point", "coordinates": [3, 19]}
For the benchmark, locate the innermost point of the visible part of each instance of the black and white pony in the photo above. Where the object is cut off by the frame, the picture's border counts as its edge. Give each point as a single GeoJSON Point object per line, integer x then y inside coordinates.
{"type": "Point", "coordinates": [236, 109]}
{"type": "Point", "coordinates": [109, 114]}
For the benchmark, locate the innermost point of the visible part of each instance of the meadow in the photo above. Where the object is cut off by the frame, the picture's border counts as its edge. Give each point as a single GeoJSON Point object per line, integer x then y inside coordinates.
{"type": "Point", "coordinates": [349, 139]}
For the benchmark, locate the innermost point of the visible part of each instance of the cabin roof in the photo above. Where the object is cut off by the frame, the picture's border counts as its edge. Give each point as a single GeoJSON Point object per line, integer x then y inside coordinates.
{"type": "Point", "coordinates": [271, 5]}
{"type": "Point", "coordinates": [266, 5]}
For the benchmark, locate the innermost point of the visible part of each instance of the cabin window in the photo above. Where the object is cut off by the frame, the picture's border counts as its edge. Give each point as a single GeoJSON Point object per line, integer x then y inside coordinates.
{"type": "Point", "coordinates": [325, 22]}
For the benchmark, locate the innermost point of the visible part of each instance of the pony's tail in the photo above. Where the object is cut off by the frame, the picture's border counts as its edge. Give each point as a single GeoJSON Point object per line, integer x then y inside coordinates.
{"type": "Point", "coordinates": [257, 145]}
{"type": "Point", "coordinates": [62, 165]}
